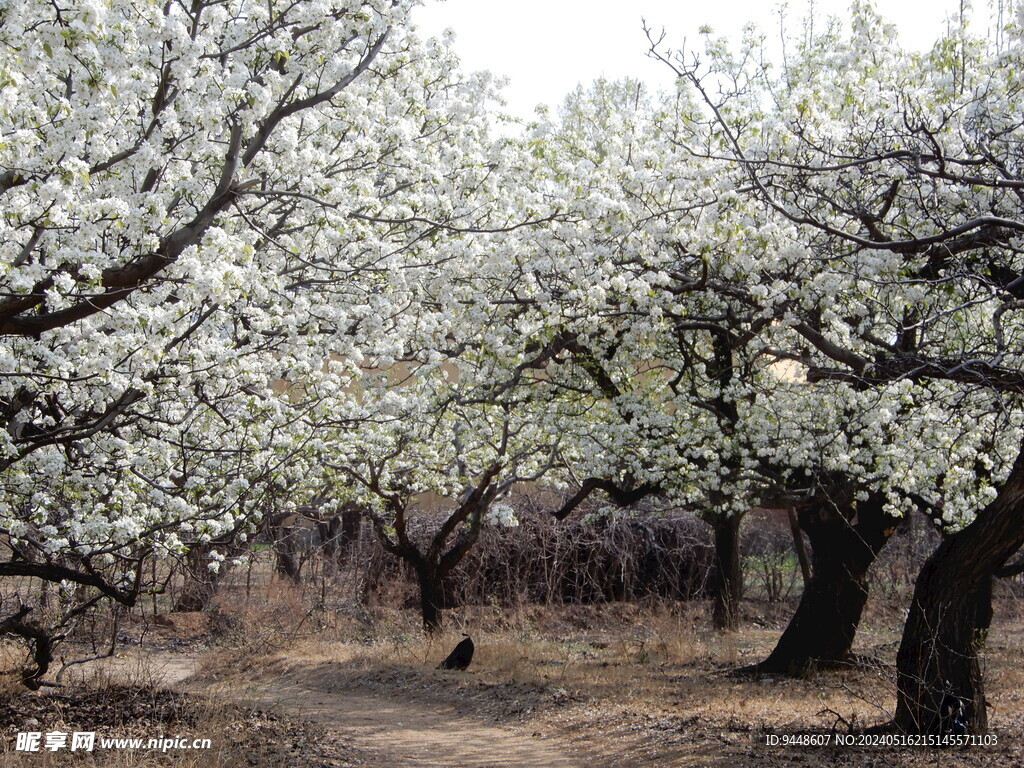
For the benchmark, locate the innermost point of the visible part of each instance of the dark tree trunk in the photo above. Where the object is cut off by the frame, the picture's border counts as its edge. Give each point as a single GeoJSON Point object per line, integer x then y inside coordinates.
{"type": "Point", "coordinates": [843, 548]}
{"type": "Point", "coordinates": [798, 545]}
{"type": "Point", "coordinates": [350, 520]}
{"type": "Point", "coordinates": [940, 688]}
{"type": "Point", "coordinates": [338, 535]}
{"type": "Point", "coordinates": [41, 641]}
{"type": "Point", "coordinates": [728, 583]}
{"type": "Point", "coordinates": [431, 596]}
{"type": "Point", "coordinates": [435, 564]}
{"type": "Point", "coordinates": [287, 562]}
{"type": "Point", "coordinates": [328, 530]}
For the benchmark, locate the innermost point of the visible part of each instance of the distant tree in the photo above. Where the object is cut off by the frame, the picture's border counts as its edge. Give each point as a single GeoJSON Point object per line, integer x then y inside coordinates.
{"type": "Point", "coordinates": [442, 448]}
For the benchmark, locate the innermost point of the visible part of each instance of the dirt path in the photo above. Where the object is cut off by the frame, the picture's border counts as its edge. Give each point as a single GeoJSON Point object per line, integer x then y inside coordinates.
{"type": "Point", "coordinates": [408, 733]}
{"type": "Point", "coordinates": [162, 668]}
{"type": "Point", "coordinates": [385, 730]}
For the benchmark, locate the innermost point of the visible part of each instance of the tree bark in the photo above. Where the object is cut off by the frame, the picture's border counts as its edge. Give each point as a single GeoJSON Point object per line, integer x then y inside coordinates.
{"type": "Point", "coordinates": [844, 544]}
{"type": "Point", "coordinates": [283, 532]}
{"type": "Point", "coordinates": [39, 638]}
{"type": "Point", "coordinates": [940, 687]}
{"type": "Point", "coordinates": [728, 583]}
{"type": "Point", "coordinates": [431, 585]}
{"type": "Point", "coordinates": [798, 544]}
{"type": "Point", "coordinates": [435, 564]}
{"type": "Point", "coordinates": [338, 534]}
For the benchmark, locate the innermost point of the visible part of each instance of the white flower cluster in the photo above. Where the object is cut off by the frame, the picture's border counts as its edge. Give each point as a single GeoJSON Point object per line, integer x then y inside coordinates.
{"type": "Point", "coordinates": [501, 515]}
{"type": "Point", "coordinates": [253, 251]}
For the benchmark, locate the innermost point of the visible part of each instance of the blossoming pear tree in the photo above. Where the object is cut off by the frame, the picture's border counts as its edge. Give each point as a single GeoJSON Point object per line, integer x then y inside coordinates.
{"type": "Point", "coordinates": [674, 303]}
{"type": "Point", "coordinates": [206, 207]}
{"type": "Point", "coordinates": [430, 464]}
{"type": "Point", "coordinates": [903, 172]}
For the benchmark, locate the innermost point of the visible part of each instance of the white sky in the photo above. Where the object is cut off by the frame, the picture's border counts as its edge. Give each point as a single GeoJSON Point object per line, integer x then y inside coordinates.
{"type": "Point", "coordinates": [547, 47]}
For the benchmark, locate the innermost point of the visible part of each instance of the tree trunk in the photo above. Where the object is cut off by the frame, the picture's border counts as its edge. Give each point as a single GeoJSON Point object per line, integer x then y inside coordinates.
{"type": "Point", "coordinates": [940, 688]}
{"type": "Point", "coordinates": [798, 545]}
{"type": "Point", "coordinates": [284, 534]}
{"type": "Point", "coordinates": [328, 530]}
{"type": "Point", "coordinates": [350, 521]}
{"type": "Point", "coordinates": [338, 535]}
{"type": "Point", "coordinates": [728, 583]}
{"type": "Point", "coordinates": [38, 638]}
{"type": "Point", "coordinates": [821, 631]}
{"type": "Point", "coordinates": [431, 596]}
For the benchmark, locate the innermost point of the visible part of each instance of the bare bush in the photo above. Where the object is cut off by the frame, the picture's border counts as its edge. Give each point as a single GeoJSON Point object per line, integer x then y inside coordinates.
{"type": "Point", "coordinates": [590, 559]}
{"type": "Point", "coordinates": [769, 559]}
{"type": "Point", "coordinates": [899, 563]}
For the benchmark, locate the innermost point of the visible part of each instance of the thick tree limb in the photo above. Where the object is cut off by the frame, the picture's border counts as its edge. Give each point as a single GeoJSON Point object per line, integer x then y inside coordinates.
{"type": "Point", "coordinates": [977, 372]}
{"type": "Point", "coordinates": [624, 497]}
{"type": "Point", "coordinates": [57, 573]}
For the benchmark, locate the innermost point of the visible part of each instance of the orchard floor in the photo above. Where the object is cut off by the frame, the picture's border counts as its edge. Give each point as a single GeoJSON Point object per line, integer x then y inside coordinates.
{"type": "Point", "coordinates": [620, 685]}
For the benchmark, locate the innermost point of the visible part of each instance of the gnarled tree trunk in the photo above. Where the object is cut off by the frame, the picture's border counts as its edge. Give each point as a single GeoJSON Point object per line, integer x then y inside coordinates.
{"type": "Point", "coordinates": [844, 543]}
{"type": "Point", "coordinates": [39, 638]}
{"type": "Point", "coordinates": [435, 562]}
{"type": "Point", "coordinates": [940, 687]}
{"type": "Point", "coordinates": [431, 584]}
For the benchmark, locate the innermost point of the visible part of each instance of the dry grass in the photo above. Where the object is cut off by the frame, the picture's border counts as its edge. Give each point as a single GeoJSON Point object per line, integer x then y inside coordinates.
{"type": "Point", "coordinates": [636, 684]}
{"type": "Point", "coordinates": [128, 698]}
{"type": "Point", "coordinates": [652, 680]}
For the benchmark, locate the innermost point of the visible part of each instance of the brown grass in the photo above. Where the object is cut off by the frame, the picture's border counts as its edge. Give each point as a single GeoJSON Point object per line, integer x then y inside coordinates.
{"type": "Point", "coordinates": [619, 684]}
{"type": "Point", "coordinates": [130, 700]}
{"type": "Point", "coordinates": [652, 680]}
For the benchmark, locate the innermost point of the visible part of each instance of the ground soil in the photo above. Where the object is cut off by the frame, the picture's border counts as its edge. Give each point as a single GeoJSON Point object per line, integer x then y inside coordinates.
{"type": "Point", "coordinates": [612, 686]}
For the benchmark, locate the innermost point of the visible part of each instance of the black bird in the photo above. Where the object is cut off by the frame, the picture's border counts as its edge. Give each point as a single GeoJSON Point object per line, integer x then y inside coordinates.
{"type": "Point", "coordinates": [461, 656]}
{"type": "Point", "coordinates": [953, 715]}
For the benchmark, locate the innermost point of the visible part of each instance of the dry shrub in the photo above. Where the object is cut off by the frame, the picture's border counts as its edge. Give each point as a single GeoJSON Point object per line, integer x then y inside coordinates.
{"type": "Point", "coordinates": [894, 573]}
{"type": "Point", "coordinates": [543, 561]}
{"type": "Point", "coordinates": [771, 568]}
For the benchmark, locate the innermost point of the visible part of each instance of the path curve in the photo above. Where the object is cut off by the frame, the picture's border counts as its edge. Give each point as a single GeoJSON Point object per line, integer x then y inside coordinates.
{"type": "Point", "coordinates": [408, 733]}
{"type": "Point", "coordinates": [390, 732]}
